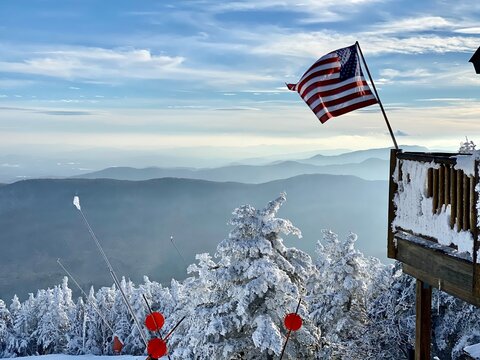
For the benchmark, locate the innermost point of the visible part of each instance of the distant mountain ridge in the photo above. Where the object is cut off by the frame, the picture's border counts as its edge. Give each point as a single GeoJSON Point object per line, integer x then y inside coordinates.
{"type": "Point", "coordinates": [369, 169]}
{"type": "Point", "coordinates": [135, 219]}
{"type": "Point", "coordinates": [371, 164]}
{"type": "Point", "coordinates": [359, 155]}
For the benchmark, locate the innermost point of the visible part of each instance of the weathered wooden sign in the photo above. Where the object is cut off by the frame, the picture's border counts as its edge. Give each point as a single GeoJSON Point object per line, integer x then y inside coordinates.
{"type": "Point", "coordinates": [433, 228]}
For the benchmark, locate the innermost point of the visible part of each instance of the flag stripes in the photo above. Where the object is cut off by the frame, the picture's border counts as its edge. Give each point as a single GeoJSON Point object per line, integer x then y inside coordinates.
{"type": "Point", "coordinates": [334, 85]}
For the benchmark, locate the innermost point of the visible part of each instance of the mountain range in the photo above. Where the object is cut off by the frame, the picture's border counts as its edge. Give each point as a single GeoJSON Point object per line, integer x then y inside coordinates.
{"type": "Point", "coordinates": [135, 219]}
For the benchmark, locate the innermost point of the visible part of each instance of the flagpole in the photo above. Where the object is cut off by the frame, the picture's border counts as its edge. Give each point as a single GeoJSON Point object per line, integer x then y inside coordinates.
{"type": "Point", "coordinates": [376, 94]}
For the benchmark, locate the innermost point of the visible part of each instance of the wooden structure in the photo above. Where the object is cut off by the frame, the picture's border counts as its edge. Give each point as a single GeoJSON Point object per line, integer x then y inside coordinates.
{"type": "Point", "coordinates": [422, 255]}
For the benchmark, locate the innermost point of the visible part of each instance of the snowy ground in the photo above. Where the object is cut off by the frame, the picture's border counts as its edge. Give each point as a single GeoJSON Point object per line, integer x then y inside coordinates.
{"type": "Point", "coordinates": [81, 357]}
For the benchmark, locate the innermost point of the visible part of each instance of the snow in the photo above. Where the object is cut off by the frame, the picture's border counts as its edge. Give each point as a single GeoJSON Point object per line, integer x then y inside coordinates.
{"type": "Point", "coordinates": [473, 351]}
{"type": "Point", "coordinates": [79, 357]}
{"type": "Point", "coordinates": [76, 202]}
{"type": "Point", "coordinates": [414, 209]}
{"type": "Point", "coordinates": [467, 162]}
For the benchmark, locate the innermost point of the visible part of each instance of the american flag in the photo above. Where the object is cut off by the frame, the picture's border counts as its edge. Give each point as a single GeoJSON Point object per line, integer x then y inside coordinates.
{"type": "Point", "coordinates": [334, 85]}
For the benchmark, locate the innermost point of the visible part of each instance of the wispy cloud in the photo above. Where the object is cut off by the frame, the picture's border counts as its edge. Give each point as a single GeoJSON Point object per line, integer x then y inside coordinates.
{"type": "Point", "coordinates": [117, 65]}
{"type": "Point", "coordinates": [414, 24]}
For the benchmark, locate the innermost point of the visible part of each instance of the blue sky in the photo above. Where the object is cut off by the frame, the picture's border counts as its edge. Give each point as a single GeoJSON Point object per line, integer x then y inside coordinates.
{"type": "Point", "coordinates": [143, 75]}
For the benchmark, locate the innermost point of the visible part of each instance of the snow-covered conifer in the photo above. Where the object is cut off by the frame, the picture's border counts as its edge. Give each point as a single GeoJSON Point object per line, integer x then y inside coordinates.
{"type": "Point", "coordinates": [338, 294]}
{"type": "Point", "coordinates": [93, 343]}
{"type": "Point", "coordinates": [238, 303]}
{"type": "Point", "coordinates": [6, 330]}
{"type": "Point", "coordinates": [391, 314]}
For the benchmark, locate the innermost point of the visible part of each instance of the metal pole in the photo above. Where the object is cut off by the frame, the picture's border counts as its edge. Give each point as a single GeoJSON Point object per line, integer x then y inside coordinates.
{"type": "Point", "coordinates": [290, 331]}
{"type": "Point", "coordinates": [112, 273]}
{"type": "Point", "coordinates": [155, 321]}
{"type": "Point", "coordinates": [376, 94]}
{"type": "Point", "coordinates": [97, 310]}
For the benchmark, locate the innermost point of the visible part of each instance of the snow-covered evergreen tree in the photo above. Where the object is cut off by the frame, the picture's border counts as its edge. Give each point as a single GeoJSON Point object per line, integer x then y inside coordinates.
{"type": "Point", "coordinates": [122, 324]}
{"type": "Point", "coordinates": [338, 295]}
{"type": "Point", "coordinates": [133, 342]}
{"type": "Point", "coordinates": [238, 303]}
{"type": "Point", "coordinates": [105, 299]}
{"type": "Point", "coordinates": [53, 322]}
{"type": "Point", "coordinates": [391, 330]}
{"type": "Point", "coordinates": [6, 330]}
{"type": "Point", "coordinates": [467, 147]}
{"type": "Point", "coordinates": [93, 343]}
{"type": "Point", "coordinates": [75, 335]}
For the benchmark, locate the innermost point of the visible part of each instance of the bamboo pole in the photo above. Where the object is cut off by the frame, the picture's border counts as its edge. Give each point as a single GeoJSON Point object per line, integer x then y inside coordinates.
{"type": "Point", "coordinates": [430, 183]}
{"type": "Point", "coordinates": [459, 200]}
{"type": "Point", "coordinates": [447, 184]}
{"type": "Point", "coordinates": [466, 203]}
{"type": "Point", "coordinates": [441, 187]}
{"type": "Point", "coordinates": [453, 197]}
{"type": "Point", "coordinates": [435, 190]}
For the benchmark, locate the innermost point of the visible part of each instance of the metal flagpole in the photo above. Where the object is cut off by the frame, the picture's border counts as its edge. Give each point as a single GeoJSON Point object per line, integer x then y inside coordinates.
{"type": "Point", "coordinates": [378, 97]}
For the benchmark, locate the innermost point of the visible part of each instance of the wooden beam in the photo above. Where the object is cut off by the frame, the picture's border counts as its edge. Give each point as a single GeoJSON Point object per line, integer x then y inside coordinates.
{"type": "Point", "coordinates": [393, 187]}
{"type": "Point", "coordinates": [433, 266]}
{"type": "Point", "coordinates": [423, 321]}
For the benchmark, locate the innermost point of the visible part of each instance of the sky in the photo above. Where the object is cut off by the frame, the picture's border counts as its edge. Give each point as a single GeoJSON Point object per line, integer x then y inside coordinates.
{"type": "Point", "coordinates": [153, 75]}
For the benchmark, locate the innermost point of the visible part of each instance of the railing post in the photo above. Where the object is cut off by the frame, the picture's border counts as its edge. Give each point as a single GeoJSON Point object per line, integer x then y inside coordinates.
{"type": "Point", "coordinates": [393, 187]}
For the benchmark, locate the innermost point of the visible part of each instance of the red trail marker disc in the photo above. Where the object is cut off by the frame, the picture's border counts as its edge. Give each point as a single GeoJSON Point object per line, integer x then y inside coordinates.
{"type": "Point", "coordinates": [154, 321]}
{"type": "Point", "coordinates": [157, 348]}
{"type": "Point", "coordinates": [293, 321]}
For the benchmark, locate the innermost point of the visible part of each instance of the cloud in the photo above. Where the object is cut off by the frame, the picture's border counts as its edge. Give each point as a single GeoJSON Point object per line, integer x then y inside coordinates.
{"type": "Point", "coordinates": [118, 65]}
{"type": "Point", "coordinates": [414, 24]}
{"type": "Point", "coordinates": [468, 30]}
{"type": "Point", "coordinates": [314, 44]}
{"type": "Point", "coordinates": [64, 112]}
{"type": "Point", "coordinates": [400, 133]}
{"type": "Point", "coordinates": [238, 108]}
{"type": "Point", "coordinates": [48, 111]}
